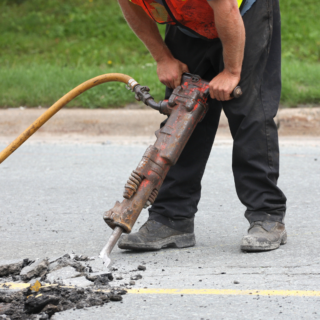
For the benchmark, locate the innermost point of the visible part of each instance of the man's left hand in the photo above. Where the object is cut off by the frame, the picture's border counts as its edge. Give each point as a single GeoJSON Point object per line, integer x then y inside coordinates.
{"type": "Point", "coordinates": [222, 85]}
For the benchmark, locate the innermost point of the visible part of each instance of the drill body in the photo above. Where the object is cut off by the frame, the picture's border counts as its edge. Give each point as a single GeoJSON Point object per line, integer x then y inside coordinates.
{"type": "Point", "coordinates": [185, 108]}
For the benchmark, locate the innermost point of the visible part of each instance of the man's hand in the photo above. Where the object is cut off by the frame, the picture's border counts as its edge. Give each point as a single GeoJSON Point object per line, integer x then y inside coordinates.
{"type": "Point", "coordinates": [222, 85]}
{"type": "Point", "coordinates": [231, 32]}
{"type": "Point", "coordinates": [170, 71]}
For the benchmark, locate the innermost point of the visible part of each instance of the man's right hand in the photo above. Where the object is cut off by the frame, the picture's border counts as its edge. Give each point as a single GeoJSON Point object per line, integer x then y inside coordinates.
{"type": "Point", "coordinates": [170, 71]}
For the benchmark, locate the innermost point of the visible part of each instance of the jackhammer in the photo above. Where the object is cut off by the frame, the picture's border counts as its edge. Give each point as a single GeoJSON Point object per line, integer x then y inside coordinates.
{"type": "Point", "coordinates": [185, 108]}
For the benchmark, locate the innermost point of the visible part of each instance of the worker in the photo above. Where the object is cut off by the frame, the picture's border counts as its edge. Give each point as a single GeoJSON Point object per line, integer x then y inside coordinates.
{"type": "Point", "coordinates": [228, 43]}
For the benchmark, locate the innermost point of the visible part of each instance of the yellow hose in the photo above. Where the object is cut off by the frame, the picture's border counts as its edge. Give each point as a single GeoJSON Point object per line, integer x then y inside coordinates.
{"type": "Point", "coordinates": [13, 146]}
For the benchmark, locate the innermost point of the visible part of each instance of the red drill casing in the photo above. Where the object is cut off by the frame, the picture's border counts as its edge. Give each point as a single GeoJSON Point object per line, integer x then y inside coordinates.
{"type": "Point", "coordinates": [186, 107]}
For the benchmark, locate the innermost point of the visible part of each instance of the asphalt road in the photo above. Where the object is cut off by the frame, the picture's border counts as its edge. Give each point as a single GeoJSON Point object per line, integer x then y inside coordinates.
{"type": "Point", "coordinates": [53, 197]}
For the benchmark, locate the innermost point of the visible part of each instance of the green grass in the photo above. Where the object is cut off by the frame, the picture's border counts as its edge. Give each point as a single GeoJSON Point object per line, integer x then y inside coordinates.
{"type": "Point", "coordinates": [67, 33]}
{"type": "Point", "coordinates": [300, 82]}
{"type": "Point", "coordinates": [301, 29]}
{"type": "Point", "coordinates": [44, 84]}
{"type": "Point", "coordinates": [48, 47]}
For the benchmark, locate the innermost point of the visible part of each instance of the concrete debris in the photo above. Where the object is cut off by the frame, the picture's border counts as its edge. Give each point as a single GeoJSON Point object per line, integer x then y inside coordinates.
{"type": "Point", "coordinates": [62, 273]}
{"type": "Point", "coordinates": [95, 275]}
{"type": "Point", "coordinates": [81, 258]}
{"type": "Point", "coordinates": [64, 282]}
{"type": "Point", "coordinates": [50, 309]}
{"type": "Point", "coordinates": [16, 278]}
{"type": "Point", "coordinates": [142, 268]}
{"type": "Point", "coordinates": [102, 281]}
{"type": "Point", "coordinates": [66, 261]}
{"type": "Point", "coordinates": [79, 282]}
{"type": "Point", "coordinates": [36, 303]}
{"type": "Point", "coordinates": [96, 265]}
{"type": "Point", "coordinates": [52, 299]}
{"type": "Point", "coordinates": [12, 267]}
{"type": "Point", "coordinates": [78, 257]}
{"type": "Point", "coordinates": [116, 298]}
{"type": "Point", "coordinates": [36, 269]}
{"type": "Point", "coordinates": [54, 259]}
{"type": "Point", "coordinates": [4, 307]}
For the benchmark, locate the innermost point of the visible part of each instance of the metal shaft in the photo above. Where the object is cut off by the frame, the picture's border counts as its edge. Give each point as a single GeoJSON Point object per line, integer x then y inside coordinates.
{"type": "Point", "coordinates": [105, 252]}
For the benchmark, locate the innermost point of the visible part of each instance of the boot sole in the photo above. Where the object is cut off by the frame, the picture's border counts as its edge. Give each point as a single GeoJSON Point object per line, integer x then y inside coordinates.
{"type": "Point", "coordinates": [179, 241]}
{"type": "Point", "coordinates": [257, 247]}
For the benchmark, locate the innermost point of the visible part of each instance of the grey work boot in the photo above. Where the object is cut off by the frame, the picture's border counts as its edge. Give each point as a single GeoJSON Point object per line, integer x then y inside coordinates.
{"type": "Point", "coordinates": [264, 236]}
{"type": "Point", "coordinates": [154, 235]}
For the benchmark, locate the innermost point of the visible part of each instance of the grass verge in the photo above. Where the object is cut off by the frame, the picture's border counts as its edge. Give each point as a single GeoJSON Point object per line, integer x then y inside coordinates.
{"type": "Point", "coordinates": [49, 47]}
{"type": "Point", "coordinates": [300, 82]}
{"type": "Point", "coordinates": [44, 84]}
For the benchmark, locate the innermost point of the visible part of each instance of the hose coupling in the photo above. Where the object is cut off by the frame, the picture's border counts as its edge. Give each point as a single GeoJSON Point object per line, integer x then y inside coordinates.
{"type": "Point", "coordinates": [131, 84]}
{"type": "Point", "coordinates": [142, 94]}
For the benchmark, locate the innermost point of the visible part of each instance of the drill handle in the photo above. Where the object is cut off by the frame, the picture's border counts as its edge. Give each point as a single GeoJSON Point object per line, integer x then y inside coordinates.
{"type": "Point", "coordinates": [236, 93]}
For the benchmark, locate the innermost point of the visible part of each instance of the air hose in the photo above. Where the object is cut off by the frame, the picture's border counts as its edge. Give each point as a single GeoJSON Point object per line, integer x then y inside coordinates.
{"type": "Point", "coordinates": [141, 94]}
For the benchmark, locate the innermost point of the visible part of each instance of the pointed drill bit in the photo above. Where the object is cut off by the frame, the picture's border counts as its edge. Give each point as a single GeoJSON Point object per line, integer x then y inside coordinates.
{"type": "Point", "coordinates": [105, 252]}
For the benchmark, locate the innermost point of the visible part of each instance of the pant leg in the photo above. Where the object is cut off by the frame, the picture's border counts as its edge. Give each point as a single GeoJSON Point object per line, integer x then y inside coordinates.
{"type": "Point", "coordinates": [180, 193]}
{"type": "Point", "coordinates": [255, 149]}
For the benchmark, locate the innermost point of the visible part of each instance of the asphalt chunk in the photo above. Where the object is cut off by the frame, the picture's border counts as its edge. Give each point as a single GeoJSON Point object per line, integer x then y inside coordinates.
{"type": "Point", "coordinates": [142, 268]}
{"type": "Point", "coordinates": [116, 298]}
{"type": "Point", "coordinates": [36, 269]}
{"type": "Point", "coordinates": [35, 304]}
{"type": "Point", "coordinates": [12, 267]}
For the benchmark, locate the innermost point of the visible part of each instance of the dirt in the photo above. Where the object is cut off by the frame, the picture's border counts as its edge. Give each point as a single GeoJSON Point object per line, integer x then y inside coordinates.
{"type": "Point", "coordinates": [135, 124]}
{"type": "Point", "coordinates": [299, 121]}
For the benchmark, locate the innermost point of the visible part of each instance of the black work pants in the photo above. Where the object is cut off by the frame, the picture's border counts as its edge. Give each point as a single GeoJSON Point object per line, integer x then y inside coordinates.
{"type": "Point", "coordinates": [255, 159]}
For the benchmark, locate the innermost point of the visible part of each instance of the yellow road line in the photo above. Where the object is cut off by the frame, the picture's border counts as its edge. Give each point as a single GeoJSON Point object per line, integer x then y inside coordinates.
{"type": "Point", "coordinates": [14, 286]}
{"type": "Point", "coordinates": [21, 286]}
{"type": "Point", "coordinates": [234, 292]}
{"type": "Point", "coordinates": [287, 293]}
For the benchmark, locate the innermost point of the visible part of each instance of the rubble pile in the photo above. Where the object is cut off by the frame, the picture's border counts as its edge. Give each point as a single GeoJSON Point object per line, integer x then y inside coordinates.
{"type": "Point", "coordinates": [66, 282]}
{"type": "Point", "coordinates": [42, 304]}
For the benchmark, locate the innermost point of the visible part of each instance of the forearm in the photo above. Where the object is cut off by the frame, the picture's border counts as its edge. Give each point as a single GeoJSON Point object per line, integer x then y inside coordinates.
{"type": "Point", "coordinates": [146, 30]}
{"type": "Point", "coordinates": [231, 32]}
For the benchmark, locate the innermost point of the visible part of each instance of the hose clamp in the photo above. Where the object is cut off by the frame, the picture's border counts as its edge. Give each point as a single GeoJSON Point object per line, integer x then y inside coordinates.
{"type": "Point", "coordinates": [131, 84]}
